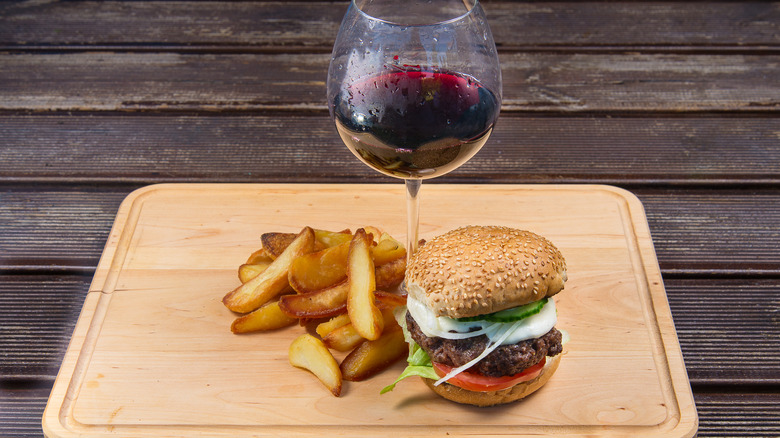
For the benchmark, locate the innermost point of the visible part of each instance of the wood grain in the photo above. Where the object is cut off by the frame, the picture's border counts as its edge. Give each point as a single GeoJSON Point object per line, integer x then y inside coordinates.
{"type": "Point", "coordinates": [145, 149]}
{"type": "Point", "coordinates": [268, 25]}
{"type": "Point", "coordinates": [727, 329]}
{"type": "Point", "coordinates": [533, 82]}
{"type": "Point", "coordinates": [162, 249]}
{"type": "Point", "coordinates": [677, 101]}
{"type": "Point", "coordinates": [40, 312]}
{"type": "Point", "coordinates": [694, 231]}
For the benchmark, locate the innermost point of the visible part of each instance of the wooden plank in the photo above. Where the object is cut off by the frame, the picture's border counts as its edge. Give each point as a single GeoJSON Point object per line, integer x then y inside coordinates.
{"type": "Point", "coordinates": [260, 148]}
{"type": "Point", "coordinates": [37, 317]}
{"type": "Point", "coordinates": [55, 227]}
{"type": "Point", "coordinates": [694, 231]}
{"type": "Point", "coordinates": [715, 232]}
{"type": "Point", "coordinates": [274, 25]}
{"type": "Point", "coordinates": [533, 82]}
{"type": "Point", "coordinates": [21, 407]}
{"type": "Point", "coordinates": [735, 415]}
{"type": "Point", "coordinates": [727, 329]}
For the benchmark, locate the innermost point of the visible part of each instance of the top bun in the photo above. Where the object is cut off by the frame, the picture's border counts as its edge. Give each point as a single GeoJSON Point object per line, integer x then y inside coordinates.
{"type": "Point", "coordinates": [476, 270]}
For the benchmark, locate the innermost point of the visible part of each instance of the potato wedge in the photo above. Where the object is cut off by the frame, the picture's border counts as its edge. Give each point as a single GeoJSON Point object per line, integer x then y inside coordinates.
{"type": "Point", "coordinates": [390, 275]}
{"type": "Point", "coordinates": [387, 250]}
{"type": "Point", "coordinates": [332, 324]}
{"type": "Point", "coordinates": [344, 338]}
{"type": "Point", "coordinates": [327, 239]}
{"type": "Point", "coordinates": [267, 317]}
{"type": "Point", "coordinates": [387, 300]}
{"type": "Point", "coordinates": [319, 304]}
{"type": "Point", "coordinates": [258, 257]}
{"type": "Point", "coordinates": [274, 244]}
{"type": "Point", "coordinates": [319, 270]}
{"type": "Point", "coordinates": [273, 281]}
{"type": "Point", "coordinates": [248, 271]}
{"type": "Point", "coordinates": [363, 312]}
{"type": "Point", "coordinates": [310, 353]}
{"type": "Point", "coordinates": [371, 357]}
{"type": "Point", "coordinates": [374, 232]}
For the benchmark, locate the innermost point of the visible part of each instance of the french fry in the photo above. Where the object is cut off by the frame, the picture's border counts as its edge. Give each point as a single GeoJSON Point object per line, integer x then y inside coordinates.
{"type": "Point", "coordinates": [248, 271]}
{"type": "Point", "coordinates": [390, 275]}
{"type": "Point", "coordinates": [319, 270]}
{"type": "Point", "coordinates": [332, 324]}
{"type": "Point", "coordinates": [371, 357]}
{"type": "Point", "coordinates": [344, 338]}
{"type": "Point", "coordinates": [267, 317]}
{"type": "Point", "coordinates": [273, 281]}
{"type": "Point", "coordinates": [363, 312]}
{"type": "Point", "coordinates": [310, 353]}
{"type": "Point", "coordinates": [319, 304]}
{"type": "Point", "coordinates": [387, 250]}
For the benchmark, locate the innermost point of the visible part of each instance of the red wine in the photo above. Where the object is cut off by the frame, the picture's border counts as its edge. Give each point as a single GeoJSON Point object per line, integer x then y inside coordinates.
{"type": "Point", "coordinates": [416, 123]}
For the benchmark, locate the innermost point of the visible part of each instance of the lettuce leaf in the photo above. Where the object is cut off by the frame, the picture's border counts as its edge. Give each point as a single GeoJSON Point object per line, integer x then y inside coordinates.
{"type": "Point", "coordinates": [419, 365]}
{"type": "Point", "coordinates": [419, 362]}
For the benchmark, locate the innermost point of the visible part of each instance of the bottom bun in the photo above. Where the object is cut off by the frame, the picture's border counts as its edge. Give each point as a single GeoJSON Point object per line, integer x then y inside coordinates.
{"type": "Point", "coordinates": [492, 398]}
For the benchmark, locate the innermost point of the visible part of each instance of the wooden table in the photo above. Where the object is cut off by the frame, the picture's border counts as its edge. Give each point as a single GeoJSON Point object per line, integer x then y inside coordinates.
{"type": "Point", "coordinates": [678, 102]}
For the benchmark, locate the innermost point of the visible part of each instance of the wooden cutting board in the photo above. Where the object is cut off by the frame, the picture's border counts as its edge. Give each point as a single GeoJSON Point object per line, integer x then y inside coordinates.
{"type": "Point", "coordinates": [152, 354]}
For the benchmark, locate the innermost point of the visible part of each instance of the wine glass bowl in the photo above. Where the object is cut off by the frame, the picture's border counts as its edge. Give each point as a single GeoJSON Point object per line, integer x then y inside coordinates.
{"type": "Point", "coordinates": [414, 87]}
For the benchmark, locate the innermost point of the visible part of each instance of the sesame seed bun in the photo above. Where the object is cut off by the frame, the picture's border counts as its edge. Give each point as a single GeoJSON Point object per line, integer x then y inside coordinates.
{"type": "Point", "coordinates": [492, 398]}
{"type": "Point", "coordinates": [476, 270]}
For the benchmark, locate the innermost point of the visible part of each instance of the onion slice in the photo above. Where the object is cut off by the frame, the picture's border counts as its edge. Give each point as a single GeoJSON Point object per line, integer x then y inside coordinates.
{"type": "Point", "coordinates": [503, 333]}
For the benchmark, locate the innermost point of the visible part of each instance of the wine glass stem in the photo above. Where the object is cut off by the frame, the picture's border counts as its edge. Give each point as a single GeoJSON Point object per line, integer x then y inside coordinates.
{"type": "Point", "coordinates": [412, 214]}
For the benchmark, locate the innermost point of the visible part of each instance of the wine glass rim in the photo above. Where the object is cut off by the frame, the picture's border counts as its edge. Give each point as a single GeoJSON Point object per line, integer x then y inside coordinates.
{"type": "Point", "coordinates": [437, 23]}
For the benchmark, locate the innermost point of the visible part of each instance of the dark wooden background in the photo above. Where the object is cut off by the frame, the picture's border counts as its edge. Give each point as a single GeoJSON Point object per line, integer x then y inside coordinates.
{"type": "Point", "coordinates": [677, 101]}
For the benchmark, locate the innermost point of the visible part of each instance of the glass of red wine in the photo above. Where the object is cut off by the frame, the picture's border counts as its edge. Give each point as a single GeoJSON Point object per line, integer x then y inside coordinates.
{"type": "Point", "coordinates": [414, 87]}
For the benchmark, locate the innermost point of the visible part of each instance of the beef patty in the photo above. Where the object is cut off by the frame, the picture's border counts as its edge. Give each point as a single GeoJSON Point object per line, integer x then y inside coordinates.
{"type": "Point", "coordinates": [506, 360]}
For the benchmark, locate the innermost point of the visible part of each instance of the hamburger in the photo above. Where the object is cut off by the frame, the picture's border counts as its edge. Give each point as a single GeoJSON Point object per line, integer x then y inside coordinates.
{"type": "Point", "coordinates": [479, 319]}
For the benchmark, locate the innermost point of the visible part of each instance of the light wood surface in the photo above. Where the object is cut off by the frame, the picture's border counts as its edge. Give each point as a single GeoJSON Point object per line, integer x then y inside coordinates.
{"type": "Point", "coordinates": [152, 353]}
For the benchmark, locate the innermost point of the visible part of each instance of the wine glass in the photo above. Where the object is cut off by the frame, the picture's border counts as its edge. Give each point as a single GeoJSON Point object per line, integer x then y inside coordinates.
{"type": "Point", "coordinates": [414, 87]}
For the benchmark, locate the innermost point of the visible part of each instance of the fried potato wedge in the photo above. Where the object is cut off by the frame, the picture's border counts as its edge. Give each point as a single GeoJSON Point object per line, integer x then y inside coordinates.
{"type": "Point", "coordinates": [318, 304]}
{"type": "Point", "coordinates": [363, 312]}
{"type": "Point", "coordinates": [372, 357]}
{"type": "Point", "coordinates": [319, 270]}
{"type": "Point", "coordinates": [328, 326]}
{"type": "Point", "coordinates": [374, 232]}
{"type": "Point", "coordinates": [387, 250]}
{"type": "Point", "coordinates": [258, 257]}
{"type": "Point", "coordinates": [267, 317]}
{"type": "Point", "coordinates": [274, 244]}
{"type": "Point", "coordinates": [271, 282]}
{"type": "Point", "coordinates": [327, 239]}
{"type": "Point", "coordinates": [344, 338]}
{"type": "Point", "coordinates": [310, 353]}
{"type": "Point", "coordinates": [390, 275]}
{"type": "Point", "coordinates": [387, 300]}
{"type": "Point", "coordinates": [248, 271]}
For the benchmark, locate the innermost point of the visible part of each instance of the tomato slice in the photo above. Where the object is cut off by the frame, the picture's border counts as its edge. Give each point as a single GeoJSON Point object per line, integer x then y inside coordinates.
{"type": "Point", "coordinates": [479, 383]}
